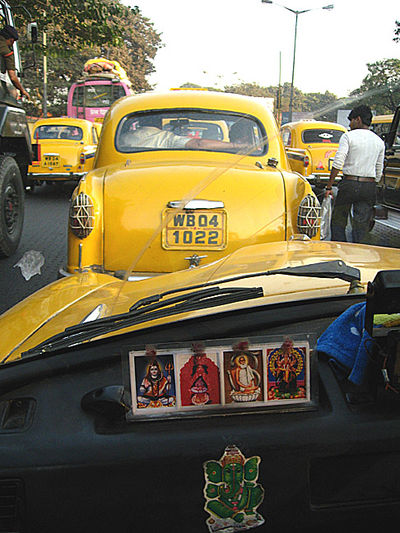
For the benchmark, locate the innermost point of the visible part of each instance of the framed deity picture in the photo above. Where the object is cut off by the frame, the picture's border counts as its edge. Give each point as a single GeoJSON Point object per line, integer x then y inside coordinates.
{"type": "Point", "coordinates": [213, 377]}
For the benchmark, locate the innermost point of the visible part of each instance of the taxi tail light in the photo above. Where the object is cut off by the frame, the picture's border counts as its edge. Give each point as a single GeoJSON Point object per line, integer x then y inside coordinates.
{"type": "Point", "coordinates": [82, 159]}
{"type": "Point", "coordinates": [306, 161]}
{"type": "Point", "coordinates": [81, 216]}
{"type": "Point", "coordinates": [309, 216]}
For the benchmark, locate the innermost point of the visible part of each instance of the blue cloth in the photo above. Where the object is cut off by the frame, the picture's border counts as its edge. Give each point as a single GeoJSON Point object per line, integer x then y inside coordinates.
{"type": "Point", "coordinates": [345, 342]}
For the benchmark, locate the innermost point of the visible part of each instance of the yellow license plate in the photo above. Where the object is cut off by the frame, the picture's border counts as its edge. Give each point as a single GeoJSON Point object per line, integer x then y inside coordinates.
{"type": "Point", "coordinates": [51, 161]}
{"type": "Point", "coordinates": [200, 229]}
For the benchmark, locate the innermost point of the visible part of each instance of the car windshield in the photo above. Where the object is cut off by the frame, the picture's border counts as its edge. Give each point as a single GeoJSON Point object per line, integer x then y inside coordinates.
{"type": "Point", "coordinates": [321, 135]}
{"type": "Point", "coordinates": [72, 133]}
{"type": "Point", "coordinates": [174, 129]}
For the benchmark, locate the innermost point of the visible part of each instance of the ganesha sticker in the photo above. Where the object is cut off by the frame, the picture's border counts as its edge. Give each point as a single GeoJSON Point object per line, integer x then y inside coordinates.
{"type": "Point", "coordinates": [232, 493]}
{"type": "Point", "coordinates": [287, 371]}
{"type": "Point", "coordinates": [243, 374]}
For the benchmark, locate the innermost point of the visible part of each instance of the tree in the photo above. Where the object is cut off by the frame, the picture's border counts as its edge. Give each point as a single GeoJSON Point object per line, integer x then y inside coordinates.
{"type": "Point", "coordinates": [74, 24]}
{"type": "Point", "coordinates": [396, 38]}
{"type": "Point", "coordinates": [134, 45]}
{"type": "Point", "coordinates": [380, 89]}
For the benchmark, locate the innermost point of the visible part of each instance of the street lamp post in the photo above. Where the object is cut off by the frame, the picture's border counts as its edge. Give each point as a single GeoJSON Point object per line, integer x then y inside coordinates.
{"type": "Point", "coordinates": [297, 13]}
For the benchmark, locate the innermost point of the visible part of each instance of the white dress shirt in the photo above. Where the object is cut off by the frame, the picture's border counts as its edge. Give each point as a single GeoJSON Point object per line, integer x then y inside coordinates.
{"type": "Point", "coordinates": [360, 153]}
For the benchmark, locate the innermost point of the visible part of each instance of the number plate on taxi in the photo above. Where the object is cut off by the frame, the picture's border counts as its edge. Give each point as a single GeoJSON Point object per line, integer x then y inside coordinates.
{"type": "Point", "coordinates": [51, 161]}
{"type": "Point", "coordinates": [203, 229]}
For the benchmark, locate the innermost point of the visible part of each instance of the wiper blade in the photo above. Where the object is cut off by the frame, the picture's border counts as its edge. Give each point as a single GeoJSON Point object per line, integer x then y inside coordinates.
{"type": "Point", "coordinates": [212, 297]}
{"type": "Point", "coordinates": [155, 306]}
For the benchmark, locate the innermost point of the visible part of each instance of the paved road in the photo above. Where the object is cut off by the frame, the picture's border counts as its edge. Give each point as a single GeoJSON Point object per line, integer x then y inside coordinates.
{"type": "Point", "coordinates": [45, 230]}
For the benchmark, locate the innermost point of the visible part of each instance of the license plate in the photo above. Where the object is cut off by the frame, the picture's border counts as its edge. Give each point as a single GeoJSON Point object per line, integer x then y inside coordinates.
{"type": "Point", "coordinates": [51, 161]}
{"type": "Point", "coordinates": [197, 229]}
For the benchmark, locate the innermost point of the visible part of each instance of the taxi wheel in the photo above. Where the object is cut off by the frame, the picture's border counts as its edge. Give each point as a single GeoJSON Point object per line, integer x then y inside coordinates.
{"type": "Point", "coordinates": [11, 206]}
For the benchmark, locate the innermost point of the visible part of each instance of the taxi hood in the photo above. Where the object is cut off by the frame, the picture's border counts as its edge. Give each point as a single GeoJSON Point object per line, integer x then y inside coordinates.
{"type": "Point", "coordinates": [71, 300]}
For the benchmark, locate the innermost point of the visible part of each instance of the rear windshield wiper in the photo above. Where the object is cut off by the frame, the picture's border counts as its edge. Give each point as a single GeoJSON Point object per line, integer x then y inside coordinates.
{"type": "Point", "coordinates": [158, 306]}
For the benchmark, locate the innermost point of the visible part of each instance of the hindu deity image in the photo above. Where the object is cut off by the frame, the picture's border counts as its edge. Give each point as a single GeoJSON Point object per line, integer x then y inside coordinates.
{"type": "Point", "coordinates": [286, 372]}
{"type": "Point", "coordinates": [232, 493]}
{"type": "Point", "coordinates": [244, 379]}
{"type": "Point", "coordinates": [199, 379]}
{"type": "Point", "coordinates": [156, 388]}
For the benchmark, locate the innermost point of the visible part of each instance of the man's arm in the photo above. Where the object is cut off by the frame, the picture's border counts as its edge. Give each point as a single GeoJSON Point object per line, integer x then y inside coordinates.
{"type": "Point", "coordinates": [379, 163]}
{"type": "Point", "coordinates": [15, 81]}
{"type": "Point", "coordinates": [211, 144]}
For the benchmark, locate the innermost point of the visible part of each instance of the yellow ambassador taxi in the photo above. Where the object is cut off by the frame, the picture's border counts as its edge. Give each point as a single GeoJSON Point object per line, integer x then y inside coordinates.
{"type": "Point", "coordinates": [381, 125]}
{"type": "Point", "coordinates": [311, 146]}
{"type": "Point", "coordinates": [63, 148]}
{"type": "Point", "coordinates": [196, 174]}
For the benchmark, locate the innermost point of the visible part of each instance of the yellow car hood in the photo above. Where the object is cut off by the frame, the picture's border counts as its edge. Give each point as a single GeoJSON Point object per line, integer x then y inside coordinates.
{"type": "Point", "coordinates": [70, 300]}
{"type": "Point", "coordinates": [136, 198]}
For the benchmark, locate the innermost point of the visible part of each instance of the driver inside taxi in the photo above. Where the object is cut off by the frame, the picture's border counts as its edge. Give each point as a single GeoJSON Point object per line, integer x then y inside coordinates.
{"type": "Point", "coordinates": [149, 134]}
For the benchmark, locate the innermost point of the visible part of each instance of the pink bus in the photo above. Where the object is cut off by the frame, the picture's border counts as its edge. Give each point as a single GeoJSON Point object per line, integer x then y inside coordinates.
{"type": "Point", "coordinates": [91, 97]}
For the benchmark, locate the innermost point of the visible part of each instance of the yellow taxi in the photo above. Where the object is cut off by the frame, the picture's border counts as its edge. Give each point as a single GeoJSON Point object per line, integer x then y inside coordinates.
{"type": "Point", "coordinates": [381, 124]}
{"type": "Point", "coordinates": [311, 146]}
{"type": "Point", "coordinates": [181, 179]}
{"type": "Point", "coordinates": [63, 148]}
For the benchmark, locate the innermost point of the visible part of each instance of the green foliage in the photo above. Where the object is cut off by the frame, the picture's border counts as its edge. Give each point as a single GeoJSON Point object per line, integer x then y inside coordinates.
{"type": "Point", "coordinates": [380, 89]}
{"type": "Point", "coordinates": [396, 37]}
{"type": "Point", "coordinates": [323, 106]}
{"type": "Point", "coordinates": [77, 31]}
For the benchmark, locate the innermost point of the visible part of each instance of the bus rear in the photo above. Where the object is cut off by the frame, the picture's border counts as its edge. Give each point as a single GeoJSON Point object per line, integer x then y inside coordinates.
{"type": "Point", "coordinates": [91, 98]}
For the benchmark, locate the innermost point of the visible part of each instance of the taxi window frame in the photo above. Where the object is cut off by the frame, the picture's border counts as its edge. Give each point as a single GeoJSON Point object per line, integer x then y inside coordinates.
{"type": "Point", "coordinates": [260, 125]}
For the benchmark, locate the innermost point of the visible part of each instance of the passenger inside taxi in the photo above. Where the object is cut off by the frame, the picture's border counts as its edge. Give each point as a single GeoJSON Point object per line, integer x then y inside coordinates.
{"type": "Point", "coordinates": [147, 132]}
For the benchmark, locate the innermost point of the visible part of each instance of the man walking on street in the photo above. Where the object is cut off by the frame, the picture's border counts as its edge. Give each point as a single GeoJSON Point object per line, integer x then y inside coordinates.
{"type": "Point", "coordinates": [360, 154]}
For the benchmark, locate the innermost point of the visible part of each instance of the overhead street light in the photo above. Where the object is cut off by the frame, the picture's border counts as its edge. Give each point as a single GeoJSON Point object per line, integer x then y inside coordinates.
{"type": "Point", "coordinates": [297, 13]}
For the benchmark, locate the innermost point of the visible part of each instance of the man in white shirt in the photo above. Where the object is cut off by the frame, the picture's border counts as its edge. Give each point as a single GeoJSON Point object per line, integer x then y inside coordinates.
{"type": "Point", "coordinates": [360, 154]}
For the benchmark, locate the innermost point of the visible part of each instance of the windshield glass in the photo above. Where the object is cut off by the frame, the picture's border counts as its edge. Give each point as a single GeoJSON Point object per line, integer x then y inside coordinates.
{"type": "Point", "coordinates": [173, 129]}
{"type": "Point", "coordinates": [72, 133]}
{"type": "Point", "coordinates": [97, 94]}
{"type": "Point", "coordinates": [321, 135]}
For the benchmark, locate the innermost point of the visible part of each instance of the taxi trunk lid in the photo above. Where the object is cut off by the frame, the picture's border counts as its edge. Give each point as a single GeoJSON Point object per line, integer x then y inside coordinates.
{"type": "Point", "coordinates": [145, 226]}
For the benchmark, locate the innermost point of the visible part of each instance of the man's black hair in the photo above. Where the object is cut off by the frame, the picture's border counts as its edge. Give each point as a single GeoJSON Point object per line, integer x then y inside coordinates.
{"type": "Point", "coordinates": [362, 111]}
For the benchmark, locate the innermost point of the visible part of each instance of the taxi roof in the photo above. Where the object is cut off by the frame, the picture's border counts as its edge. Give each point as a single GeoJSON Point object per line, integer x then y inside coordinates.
{"type": "Point", "coordinates": [189, 99]}
{"type": "Point", "coordinates": [313, 124]}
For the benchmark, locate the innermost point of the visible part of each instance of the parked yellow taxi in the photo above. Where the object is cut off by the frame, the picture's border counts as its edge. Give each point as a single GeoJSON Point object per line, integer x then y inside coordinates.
{"type": "Point", "coordinates": [64, 149]}
{"type": "Point", "coordinates": [311, 146]}
{"type": "Point", "coordinates": [167, 192]}
{"type": "Point", "coordinates": [381, 124]}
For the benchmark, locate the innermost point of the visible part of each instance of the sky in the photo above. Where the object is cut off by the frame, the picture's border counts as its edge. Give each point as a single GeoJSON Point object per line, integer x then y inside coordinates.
{"type": "Point", "coordinates": [223, 42]}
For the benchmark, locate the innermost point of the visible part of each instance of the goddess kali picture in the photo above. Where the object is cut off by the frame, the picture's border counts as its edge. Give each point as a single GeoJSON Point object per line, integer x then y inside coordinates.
{"type": "Point", "coordinates": [199, 379]}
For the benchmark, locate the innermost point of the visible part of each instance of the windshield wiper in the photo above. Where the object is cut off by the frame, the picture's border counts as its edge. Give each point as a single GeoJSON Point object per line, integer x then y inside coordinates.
{"type": "Point", "coordinates": [158, 306]}
{"type": "Point", "coordinates": [207, 298]}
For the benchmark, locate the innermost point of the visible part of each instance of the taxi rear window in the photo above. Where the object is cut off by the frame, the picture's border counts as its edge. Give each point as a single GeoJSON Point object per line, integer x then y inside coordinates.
{"type": "Point", "coordinates": [72, 133]}
{"type": "Point", "coordinates": [172, 129]}
{"type": "Point", "coordinates": [321, 136]}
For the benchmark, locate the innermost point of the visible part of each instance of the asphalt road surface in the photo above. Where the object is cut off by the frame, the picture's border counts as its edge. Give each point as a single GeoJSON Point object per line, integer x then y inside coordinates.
{"type": "Point", "coordinates": [45, 231]}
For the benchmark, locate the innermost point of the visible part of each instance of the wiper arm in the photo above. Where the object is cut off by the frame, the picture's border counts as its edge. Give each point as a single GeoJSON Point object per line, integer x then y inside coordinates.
{"type": "Point", "coordinates": [140, 312]}
{"type": "Point", "coordinates": [151, 307]}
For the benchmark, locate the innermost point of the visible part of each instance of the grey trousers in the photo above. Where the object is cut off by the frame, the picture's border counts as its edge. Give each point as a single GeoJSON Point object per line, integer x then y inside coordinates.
{"type": "Point", "coordinates": [361, 196]}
